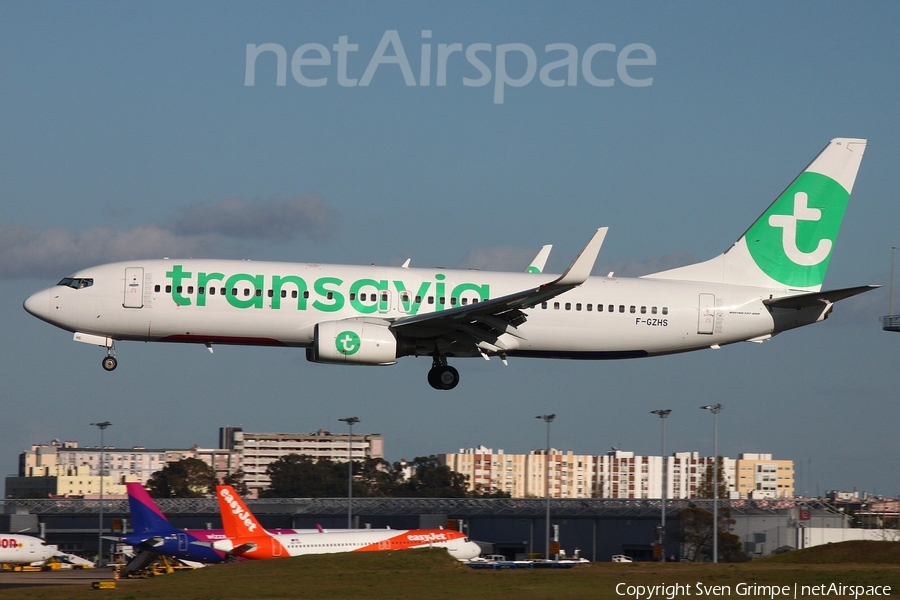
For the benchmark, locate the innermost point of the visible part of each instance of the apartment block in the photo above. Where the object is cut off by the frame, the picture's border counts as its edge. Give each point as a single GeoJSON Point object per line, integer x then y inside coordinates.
{"type": "Point", "coordinates": [256, 451]}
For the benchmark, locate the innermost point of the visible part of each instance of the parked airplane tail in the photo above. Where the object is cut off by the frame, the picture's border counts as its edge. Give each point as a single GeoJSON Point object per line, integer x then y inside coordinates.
{"type": "Point", "coordinates": [145, 514]}
{"type": "Point", "coordinates": [237, 520]}
{"type": "Point", "coordinates": [789, 246]}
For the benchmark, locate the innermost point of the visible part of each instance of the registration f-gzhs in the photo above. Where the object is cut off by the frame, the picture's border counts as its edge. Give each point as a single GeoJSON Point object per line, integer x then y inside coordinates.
{"type": "Point", "coordinates": [768, 281]}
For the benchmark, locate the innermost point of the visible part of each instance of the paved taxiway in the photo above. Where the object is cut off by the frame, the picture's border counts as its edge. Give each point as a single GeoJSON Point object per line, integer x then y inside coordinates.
{"type": "Point", "coordinates": [84, 577]}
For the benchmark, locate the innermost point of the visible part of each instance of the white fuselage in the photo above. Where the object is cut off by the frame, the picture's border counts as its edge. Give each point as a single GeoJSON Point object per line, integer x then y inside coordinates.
{"type": "Point", "coordinates": [273, 303]}
{"type": "Point", "coordinates": [270, 545]}
{"type": "Point", "coordinates": [16, 549]}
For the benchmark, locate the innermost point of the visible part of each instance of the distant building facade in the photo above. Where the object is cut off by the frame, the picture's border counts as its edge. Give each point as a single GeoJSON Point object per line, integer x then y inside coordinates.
{"type": "Point", "coordinates": [617, 474]}
{"type": "Point", "coordinates": [63, 469]}
{"type": "Point", "coordinates": [760, 476]}
{"type": "Point", "coordinates": [258, 450]}
{"type": "Point", "coordinates": [524, 475]}
{"type": "Point", "coordinates": [66, 469]}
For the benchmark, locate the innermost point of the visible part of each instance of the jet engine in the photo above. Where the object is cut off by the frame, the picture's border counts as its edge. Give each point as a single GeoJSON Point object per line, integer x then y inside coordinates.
{"type": "Point", "coordinates": [353, 342]}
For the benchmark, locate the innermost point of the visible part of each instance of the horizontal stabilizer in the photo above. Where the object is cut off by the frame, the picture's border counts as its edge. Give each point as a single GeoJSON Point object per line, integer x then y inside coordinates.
{"type": "Point", "coordinates": [816, 298]}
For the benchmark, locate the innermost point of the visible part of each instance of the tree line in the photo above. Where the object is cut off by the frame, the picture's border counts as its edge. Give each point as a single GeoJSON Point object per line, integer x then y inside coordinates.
{"type": "Point", "coordinates": [301, 476]}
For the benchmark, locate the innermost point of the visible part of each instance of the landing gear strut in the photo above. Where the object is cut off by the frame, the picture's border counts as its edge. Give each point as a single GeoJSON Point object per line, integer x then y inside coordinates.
{"type": "Point", "coordinates": [110, 363]}
{"type": "Point", "coordinates": [442, 376]}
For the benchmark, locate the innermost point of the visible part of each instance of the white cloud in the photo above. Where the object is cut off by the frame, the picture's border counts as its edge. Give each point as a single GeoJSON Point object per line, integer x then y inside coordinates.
{"type": "Point", "coordinates": [25, 252]}
{"type": "Point", "coordinates": [504, 258]}
{"type": "Point", "coordinates": [278, 219]}
{"type": "Point", "coordinates": [28, 252]}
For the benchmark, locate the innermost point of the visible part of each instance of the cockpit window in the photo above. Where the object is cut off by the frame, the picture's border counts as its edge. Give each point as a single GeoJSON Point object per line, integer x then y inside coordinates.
{"type": "Point", "coordinates": [76, 282]}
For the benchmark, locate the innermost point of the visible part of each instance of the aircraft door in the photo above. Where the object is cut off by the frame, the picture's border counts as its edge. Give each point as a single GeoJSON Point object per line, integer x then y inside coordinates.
{"type": "Point", "coordinates": [182, 542]}
{"type": "Point", "coordinates": [134, 287]}
{"type": "Point", "coordinates": [707, 319]}
{"type": "Point", "coordinates": [276, 547]}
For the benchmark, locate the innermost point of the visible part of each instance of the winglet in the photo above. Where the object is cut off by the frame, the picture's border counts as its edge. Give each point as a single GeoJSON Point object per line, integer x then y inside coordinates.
{"type": "Point", "coordinates": [581, 267]}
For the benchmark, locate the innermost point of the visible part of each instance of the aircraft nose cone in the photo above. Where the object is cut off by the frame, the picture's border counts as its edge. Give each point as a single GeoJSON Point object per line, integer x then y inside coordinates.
{"type": "Point", "coordinates": [39, 304]}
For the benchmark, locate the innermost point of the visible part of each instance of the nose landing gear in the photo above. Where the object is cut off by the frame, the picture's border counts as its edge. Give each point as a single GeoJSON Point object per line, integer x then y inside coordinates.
{"type": "Point", "coordinates": [442, 376]}
{"type": "Point", "coordinates": [109, 362]}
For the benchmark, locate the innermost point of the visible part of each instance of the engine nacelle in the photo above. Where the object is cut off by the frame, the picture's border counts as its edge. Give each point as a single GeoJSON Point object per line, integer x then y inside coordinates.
{"type": "Point", "coordinates": [353, 342]}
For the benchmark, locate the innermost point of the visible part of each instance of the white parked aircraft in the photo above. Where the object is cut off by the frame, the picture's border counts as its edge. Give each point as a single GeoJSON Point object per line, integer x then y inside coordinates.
{"type": "Point", "coordinates": [245, 537]}
{"type": "Point", "coordinates": [17, 549]}
{"type": "Point", "coordinates": [768, 281]}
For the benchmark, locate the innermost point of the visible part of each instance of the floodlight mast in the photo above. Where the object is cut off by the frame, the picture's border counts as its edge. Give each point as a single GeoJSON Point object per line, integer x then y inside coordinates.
{"type": "Point", "coordinates": [102, 426]}
{"type": "Point", "coordinates": [350, 421]}
{"type": "Point", "coordinates": [662, 413]}
{"type": "Point", "coordinates": [715, 409]}
{"type": "Point", "coordinates": [547, 419]}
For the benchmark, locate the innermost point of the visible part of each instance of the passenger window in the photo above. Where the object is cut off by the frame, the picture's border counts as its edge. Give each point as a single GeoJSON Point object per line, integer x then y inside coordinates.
{"type": "Point", "coordinates": [168, 289]}
{"type": "Point", "coordinates": [643, 310]}
{"type": "Point", "coordinates": [611, 308]}
{"type": "Point", "coordinates": [246, 292]}
{"type": "Point", "coordinates": [543, 305]}
{"type": "Point", "coordinates": [441, 300]}
{"type": "Point", "coordinates": [384, 296]}
{"type": "Point", "coordinates": [156, 289]}
{"type": "Point", "coordinates": [179, 289]}
{"type": "Point", "coordinates": [353, 296]}
{"type": "Point", "coordinates": [190, 289]}
{"type": "Point", "coordinates": [465, 301]}
{"type": "Point", "coordinates": [556, 306]}
{"type": "Point", "coordinates": [665, 310]}
{"type": "Point", "coordinates": [621, 308]}
{"type": "Point", "coordinates": [330, 295]}
{"type": "Point", "coordinates": [305, 294]}
{"type": "Point", "coordinates": [222, 291]}
{"type": "Point", "coordinates": [599, 308]}
{"type": "Point", "coordinates": [452, 301]}
{"type": "Point", "coordinates": [631, 309]}
{"type": "Point", "coordinates": [430, 299]}
{"type": "Point", "coordinates": [234, 291]}
{"type": "Point", "coordinates": [653, 310]}
{"type": "Point", "coordinates": [418, 300]}
{"type": "Point", "coordinates": [589, 306]}
{"type": "Point", "coordinates": [294, 294]}
{"type": "Point", "coordinates": [201, 290]}
{"type": "Point", "coordinates": [212, 291]}
{"type": "Point", "coordinates": [362, 297]}
{"type": "Point", "coordinates": [578, 306]}
{"type": "Point", "coordinates": [568, 306]}
{"type": "Point", "coordinates": [258, 293]}
{"type": "Point", "coordinates": [271, 293]}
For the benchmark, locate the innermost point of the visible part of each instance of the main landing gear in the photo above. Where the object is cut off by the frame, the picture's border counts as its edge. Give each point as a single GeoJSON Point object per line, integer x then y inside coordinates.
{"type": "Point", "coordinates": [109, 362]}
{"type": "Point", "coordinates": [442, 376]}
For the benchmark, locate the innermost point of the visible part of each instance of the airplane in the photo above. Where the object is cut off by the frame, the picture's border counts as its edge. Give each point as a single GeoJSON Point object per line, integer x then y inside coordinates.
{"type": "Point", "coordinates": [768, 281]}
{"type": "Point", "coordinates": [246, 538]}
{"type": "Point", "coordinates": [17, 549]}
{"type": "Point", "coordinates": [153, 533]}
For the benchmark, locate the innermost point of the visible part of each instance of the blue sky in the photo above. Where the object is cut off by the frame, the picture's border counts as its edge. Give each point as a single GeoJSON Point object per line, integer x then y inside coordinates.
{"type": "Point", "coordinates": [127, 131]}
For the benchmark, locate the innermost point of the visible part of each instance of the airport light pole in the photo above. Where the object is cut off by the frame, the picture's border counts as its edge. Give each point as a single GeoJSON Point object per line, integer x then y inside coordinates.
{"type": "Point", "coordinates": [350, 421]}
{"type": "Point", "coordinates": [102, 426]}
{"type": "Point", "coordinates": [547, 419]}
{"type": "Point", "coordinates": [663, 413]}
{"type": "Point", "coordinates": [715, 409]}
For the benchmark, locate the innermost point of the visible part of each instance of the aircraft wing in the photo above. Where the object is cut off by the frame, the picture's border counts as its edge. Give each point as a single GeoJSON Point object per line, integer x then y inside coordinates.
{"type": "Point", "coordinates": [486, 321]}
{"type": "Point", "coordinates": [818, 298]}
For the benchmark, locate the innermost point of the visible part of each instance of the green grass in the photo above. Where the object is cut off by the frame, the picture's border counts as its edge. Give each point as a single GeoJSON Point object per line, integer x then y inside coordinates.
{"type": "Point", "coordinates": [433, 574]}
{"type": "Point", "coordinates": [844, 552]}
